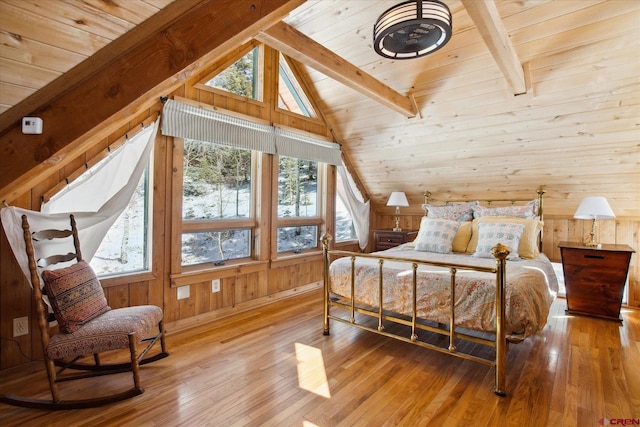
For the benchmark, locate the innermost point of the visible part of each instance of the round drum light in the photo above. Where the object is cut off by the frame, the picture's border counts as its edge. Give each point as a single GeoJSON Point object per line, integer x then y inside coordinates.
{"type": "Point", "coordinates": [412, 29]}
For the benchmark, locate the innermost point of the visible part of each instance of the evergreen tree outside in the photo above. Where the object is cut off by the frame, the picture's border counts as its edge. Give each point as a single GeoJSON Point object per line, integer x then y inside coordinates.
{"type": "Point", "coordinates": [239, 78]}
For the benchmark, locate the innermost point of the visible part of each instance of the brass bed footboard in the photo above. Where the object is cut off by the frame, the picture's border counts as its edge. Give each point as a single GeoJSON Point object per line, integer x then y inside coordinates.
{"type": "Point", "coordinates": [500, 253]}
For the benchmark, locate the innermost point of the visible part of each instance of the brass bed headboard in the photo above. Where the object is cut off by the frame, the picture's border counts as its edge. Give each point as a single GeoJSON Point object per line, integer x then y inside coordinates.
{"type": "Point", "coordinates": [540, 191]}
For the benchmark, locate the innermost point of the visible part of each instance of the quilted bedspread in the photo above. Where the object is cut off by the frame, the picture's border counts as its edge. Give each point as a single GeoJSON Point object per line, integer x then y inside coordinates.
{"type": "Point", "coordinates": [530, 288]}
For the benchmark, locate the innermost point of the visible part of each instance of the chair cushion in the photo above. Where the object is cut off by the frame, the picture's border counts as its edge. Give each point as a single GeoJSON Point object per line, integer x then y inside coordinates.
{"type": "Point", "coordinates": [109, 331]}
{"type": "Point", "coordinates": [75, 294]}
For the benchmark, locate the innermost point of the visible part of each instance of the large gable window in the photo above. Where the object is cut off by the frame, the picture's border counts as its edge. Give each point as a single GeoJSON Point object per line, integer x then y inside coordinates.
{"type": "Point", "coordinates": [216, 203]}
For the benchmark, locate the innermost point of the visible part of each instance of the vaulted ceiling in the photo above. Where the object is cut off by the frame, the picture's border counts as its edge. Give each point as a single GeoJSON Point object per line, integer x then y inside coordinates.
{"type": "Point", "coordinates": [526, 92]}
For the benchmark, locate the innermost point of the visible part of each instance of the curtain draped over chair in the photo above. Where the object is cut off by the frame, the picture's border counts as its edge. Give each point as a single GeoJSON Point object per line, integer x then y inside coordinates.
{"type": "Point", "coordinates": [96, 199]}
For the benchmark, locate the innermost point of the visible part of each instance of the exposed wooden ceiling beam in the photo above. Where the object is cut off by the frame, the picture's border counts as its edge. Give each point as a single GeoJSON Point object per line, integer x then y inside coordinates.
{"type": "Point", "coordinates": [293, 43]}
{"type": "Point", "coordinates": [133, 72]}
{"type": "Point", "coordinates": [484, 15]}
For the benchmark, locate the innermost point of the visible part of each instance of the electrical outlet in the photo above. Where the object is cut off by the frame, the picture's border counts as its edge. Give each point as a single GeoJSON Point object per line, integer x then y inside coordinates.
{"type": "Point", "coordinates": [215, 285]}
{"type": "Point", "coordinates": [183, 292]}
{"type": "Point", "coordinates": [20, 326]}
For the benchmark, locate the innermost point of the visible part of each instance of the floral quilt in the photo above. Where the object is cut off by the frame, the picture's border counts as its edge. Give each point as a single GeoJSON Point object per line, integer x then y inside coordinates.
{"type": "Point", "coordinates": [530, 288]}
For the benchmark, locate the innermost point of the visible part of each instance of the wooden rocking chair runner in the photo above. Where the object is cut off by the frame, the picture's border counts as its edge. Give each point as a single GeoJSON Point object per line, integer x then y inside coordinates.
{"type": "Point", "coordinates": [88, 326]}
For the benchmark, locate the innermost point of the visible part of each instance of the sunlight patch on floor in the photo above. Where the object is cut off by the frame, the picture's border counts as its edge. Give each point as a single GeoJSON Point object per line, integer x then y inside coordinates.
{"type": "Point", "coordinates": [312, 375]}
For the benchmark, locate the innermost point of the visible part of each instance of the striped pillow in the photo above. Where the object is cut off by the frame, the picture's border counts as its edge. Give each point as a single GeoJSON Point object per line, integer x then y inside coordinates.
{"type": "Point", "coordinates": [75, 294]}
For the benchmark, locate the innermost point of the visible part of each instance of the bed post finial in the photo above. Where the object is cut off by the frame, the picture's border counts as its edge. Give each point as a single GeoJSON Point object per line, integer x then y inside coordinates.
{"type": "Point", "coordinates": [427, 197]}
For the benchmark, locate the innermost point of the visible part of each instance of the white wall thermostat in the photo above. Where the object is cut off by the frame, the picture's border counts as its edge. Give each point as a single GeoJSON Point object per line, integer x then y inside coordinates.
{"type": "Point", "coordinates": [32, 125]}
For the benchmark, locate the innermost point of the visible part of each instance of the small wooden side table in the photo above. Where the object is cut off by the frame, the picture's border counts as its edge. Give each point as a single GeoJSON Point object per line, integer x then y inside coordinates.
{"type": "Point", "coordinates": [595, 278]}
{"type": "Point", "coordinates": [387, 239]}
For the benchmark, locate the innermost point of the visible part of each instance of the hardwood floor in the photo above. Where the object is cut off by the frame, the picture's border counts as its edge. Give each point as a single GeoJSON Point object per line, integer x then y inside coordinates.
{"type": "Point", "coordinates": [273, 367]}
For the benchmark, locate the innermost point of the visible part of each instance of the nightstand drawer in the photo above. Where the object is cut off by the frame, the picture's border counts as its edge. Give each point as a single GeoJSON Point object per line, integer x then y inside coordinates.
{"type": "Point", "coordinates": [393, 239]}
{"type": "Point", "coordinates": [595, 258]}
{"type": "Point", "coordinates": [387, 239]}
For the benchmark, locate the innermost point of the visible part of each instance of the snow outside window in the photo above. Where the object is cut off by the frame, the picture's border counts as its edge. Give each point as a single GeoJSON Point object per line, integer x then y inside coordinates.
{"type": "Point", "coordinates": [216, 195]}
{"type": "Point", "coordinates": [297, 200]}
{"type": "Point", "coordinates": [345, 229]}
{"type": "Point", "coordinates": [125, 248]}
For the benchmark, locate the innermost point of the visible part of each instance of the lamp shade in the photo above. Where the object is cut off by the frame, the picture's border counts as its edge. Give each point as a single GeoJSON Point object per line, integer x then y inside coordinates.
{"type": "Point", "coordinates": [594, 208]}
{"type": "Point", "coordinates": [397, 198]}
{"type": "Point", "coordinates": [412, 29]}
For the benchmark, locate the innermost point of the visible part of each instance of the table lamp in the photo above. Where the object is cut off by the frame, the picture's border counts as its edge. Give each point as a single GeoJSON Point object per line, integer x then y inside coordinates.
{"type": "Point", "coordinates": [594, 208]}
{"type": "Point", "coordinates": [397, 199]}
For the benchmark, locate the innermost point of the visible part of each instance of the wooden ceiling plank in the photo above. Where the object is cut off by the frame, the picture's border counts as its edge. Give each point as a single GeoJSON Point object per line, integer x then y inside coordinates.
{"type": "Point", "coordinates": [296, 45]}
{"type": "Point", "coordinates": [77, 15]}
{"type": "Point", "coordinates": [38, 54]}
{"type": "Point", "coordinates": [134, 12]}
{"type": "Point", "coordinates": [27, 75]}
{"type": "Point", "coordinates": [487, 19]}
{"type": "Point", "coordinates": [158, 57]}
{"type": "Point", "coordinates": [26, 23]}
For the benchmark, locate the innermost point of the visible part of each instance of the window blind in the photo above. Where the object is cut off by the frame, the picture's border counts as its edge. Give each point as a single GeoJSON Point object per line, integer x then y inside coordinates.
{"type": "Point", "coordinates": [192, 122]}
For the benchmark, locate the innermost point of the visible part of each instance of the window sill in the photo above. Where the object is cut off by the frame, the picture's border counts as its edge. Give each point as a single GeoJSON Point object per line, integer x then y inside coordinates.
{"type": "Point", "coordinates": [346, 242]}
{"type": "Point", "coordinates": [287, 260]}
{"type": "Point", "coordinates": [210, 272]}
{"type": "Point", "coordinates": [126, 279]}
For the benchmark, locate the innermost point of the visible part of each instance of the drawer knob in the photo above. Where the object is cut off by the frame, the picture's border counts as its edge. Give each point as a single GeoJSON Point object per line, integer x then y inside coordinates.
{"type": "Point", "coordinates": [594, 256]}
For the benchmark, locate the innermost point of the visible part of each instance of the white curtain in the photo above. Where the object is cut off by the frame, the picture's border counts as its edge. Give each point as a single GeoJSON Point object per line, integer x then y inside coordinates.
{"type": "Point", "coordinates": [96, 199]}
{"type": "Point", "coordinates": [358, 208]}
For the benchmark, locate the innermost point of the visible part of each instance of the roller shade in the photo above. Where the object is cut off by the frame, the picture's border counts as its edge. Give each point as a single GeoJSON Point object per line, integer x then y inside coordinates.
{"type": "Point", "coordinates": [192, 122]}
{"type": "Point", "coordinates": [305, 147]}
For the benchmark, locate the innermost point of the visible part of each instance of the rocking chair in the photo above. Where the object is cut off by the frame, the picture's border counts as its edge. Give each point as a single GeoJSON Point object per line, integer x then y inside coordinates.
{"type": "Point", "coordinates": [88, 326]}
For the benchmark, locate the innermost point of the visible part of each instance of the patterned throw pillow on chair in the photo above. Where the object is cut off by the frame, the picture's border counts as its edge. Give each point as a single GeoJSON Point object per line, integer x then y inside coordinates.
{"type": "Point", "coordinates": [75, 294]}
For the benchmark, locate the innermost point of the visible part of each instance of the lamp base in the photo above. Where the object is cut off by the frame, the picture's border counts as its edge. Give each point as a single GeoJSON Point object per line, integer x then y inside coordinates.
{"type": "Point", "coordinates": [397, 227]}
{"type": "Point", "coordinates": [592, 242]}
{"type": "Point", "coordinates": [594, 245]}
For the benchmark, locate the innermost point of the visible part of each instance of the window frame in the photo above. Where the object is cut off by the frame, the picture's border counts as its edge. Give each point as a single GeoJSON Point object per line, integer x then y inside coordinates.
{"type": "Point", "coordinates": [180, 226]}
{"type": "Point", "coordinates": [317, 220]}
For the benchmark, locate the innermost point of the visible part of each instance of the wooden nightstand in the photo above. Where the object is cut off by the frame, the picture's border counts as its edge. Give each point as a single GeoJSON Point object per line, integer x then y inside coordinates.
{"type": "Point", "coordinates": [595, 278]}
{"type": "Point", "coordinates": [386, 239]}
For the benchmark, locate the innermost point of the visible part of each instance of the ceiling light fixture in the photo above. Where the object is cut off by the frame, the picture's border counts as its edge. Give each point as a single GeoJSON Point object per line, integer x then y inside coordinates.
{"type": "Point", "coordinates": [412, 29]}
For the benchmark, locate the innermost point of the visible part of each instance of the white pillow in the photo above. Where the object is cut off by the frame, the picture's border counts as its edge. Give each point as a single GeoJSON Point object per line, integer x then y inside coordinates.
{"type": "Point", "coordinates": [521, 211]}
{"type": "Point", "coordinates": [436, 235]}
{"type": "Point", "coordinates": [462, 211]}
{"type": "Point", "coordinates": [492, 233]}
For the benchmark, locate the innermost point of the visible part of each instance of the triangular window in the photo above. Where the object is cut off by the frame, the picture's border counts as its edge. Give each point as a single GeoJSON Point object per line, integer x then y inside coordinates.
{"type": "Point", "coordinates": [291, 96]}
{"type": "Point", "coordinates": [241, 77]}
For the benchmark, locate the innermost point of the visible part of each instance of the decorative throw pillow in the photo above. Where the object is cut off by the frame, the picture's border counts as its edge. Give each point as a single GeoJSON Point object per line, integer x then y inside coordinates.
{"type": "Point", "coordinates": [490, 234]}
{"type": "Point", "coordinates": [521, 211]}
{"type": "Point", "coordinates": [462, 237]}
{"type": "Point", "coordinates": [436, 235]}
{"type": "Point", "coordinates": [454, 211]}
{"type": "Point", "coordinates": [528, 247]}
{"type": "Point", "coordinates": [75, 294]}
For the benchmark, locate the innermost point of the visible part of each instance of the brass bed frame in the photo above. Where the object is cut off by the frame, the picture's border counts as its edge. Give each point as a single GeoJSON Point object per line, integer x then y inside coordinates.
{"type": "Point", "coordinates": [499, 341]}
